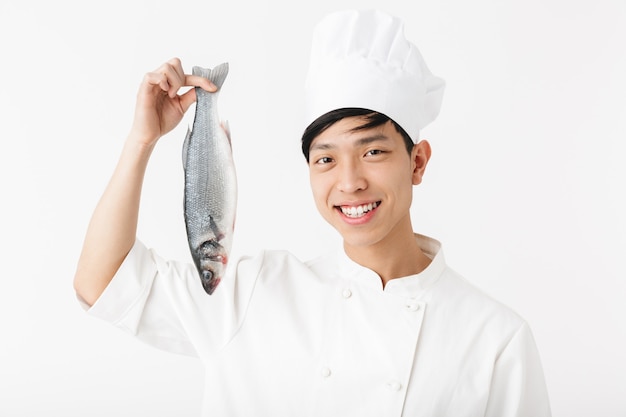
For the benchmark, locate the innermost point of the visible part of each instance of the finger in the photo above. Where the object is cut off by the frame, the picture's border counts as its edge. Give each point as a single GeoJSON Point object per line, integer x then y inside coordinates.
{"type": "Point", "coordinates": [170, 77]}
{"type": "Point", "coordinates": [198, 81]}
{"type": "Point", "coordinates": [173, 72]}
{"type": "Point", "coordinates": [187, 99]}
{"type": "Point", "coordinates": [176, 66]}
{"type": "Point", "coordinates": [159, 79]}
{"type": "Point", "coordinates": [177, 78]}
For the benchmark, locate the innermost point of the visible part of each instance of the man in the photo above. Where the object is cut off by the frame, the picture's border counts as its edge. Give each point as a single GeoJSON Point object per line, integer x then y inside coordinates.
{"type": "Point", "coordinates": [383, 328]}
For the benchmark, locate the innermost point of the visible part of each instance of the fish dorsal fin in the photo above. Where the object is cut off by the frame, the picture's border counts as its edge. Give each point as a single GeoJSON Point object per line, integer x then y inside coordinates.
{"type": "Point", "coordinates": [217, 75]}
{"type": "Point", "coordinates": [185, 147]}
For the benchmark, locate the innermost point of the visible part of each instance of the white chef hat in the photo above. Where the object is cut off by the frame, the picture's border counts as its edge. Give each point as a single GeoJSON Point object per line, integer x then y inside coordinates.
{"type": "Point", "coordinates": [362, 59]}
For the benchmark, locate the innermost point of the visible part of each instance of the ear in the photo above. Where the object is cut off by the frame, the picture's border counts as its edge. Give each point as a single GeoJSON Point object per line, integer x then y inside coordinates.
{"type": "Point", "coordinates": [419, 157]}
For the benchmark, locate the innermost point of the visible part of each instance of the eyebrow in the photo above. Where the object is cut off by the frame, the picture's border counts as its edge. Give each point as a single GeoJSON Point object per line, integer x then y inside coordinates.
{"type": "Point", "coordinates": [359, 142]}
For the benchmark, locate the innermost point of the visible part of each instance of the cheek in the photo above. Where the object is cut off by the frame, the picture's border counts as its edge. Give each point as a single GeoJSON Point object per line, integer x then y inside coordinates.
{"type": "Point", "coordinates": [402, 185]}
{"type": "Point", "coordinates": [396, 171]}
{"type": "Point", "coordinates": [319, 189]}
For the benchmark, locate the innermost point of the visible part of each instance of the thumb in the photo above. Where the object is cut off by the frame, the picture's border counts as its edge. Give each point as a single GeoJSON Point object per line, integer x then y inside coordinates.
{"type": "Point", "coordinates": [187, 99]}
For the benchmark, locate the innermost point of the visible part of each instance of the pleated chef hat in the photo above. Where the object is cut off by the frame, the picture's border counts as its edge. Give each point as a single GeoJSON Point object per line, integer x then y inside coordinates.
{"type": "Point", "coordinates": [362, 59]}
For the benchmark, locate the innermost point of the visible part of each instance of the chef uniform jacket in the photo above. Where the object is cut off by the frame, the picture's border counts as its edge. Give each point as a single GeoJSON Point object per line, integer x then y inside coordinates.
{"type": "Point", "coordinates": [281, 337]}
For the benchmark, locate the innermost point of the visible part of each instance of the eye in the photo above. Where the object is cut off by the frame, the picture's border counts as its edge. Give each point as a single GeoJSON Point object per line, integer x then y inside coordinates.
{"type": "Point", "coordinates": [374, 152]}
{"type": "Point", "coordinates": [324, 160]}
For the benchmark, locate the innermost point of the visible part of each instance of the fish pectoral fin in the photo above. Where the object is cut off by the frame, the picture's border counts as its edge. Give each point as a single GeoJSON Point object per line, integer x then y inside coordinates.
{"type": "Point", "coordinates": [185, 147]}
{"type": "Point", "coordinates": [226, 128]}
{"type": "Point", "coordinates": [222, 258]}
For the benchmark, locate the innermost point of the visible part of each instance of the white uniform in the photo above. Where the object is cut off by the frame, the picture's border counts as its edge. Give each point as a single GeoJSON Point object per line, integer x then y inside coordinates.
{"type": "Point", "coordinates": [280, 337]}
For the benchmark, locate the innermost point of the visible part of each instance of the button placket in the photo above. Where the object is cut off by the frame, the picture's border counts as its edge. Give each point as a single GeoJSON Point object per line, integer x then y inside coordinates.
{"type": "Point", "coordinates": [394, 386]}
{"type": "Point", "coordinates": [412, 305]}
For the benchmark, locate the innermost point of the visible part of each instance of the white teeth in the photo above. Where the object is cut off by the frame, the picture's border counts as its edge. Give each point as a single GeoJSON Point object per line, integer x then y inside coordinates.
{"type": "Point", "coordinates": [358, 211]}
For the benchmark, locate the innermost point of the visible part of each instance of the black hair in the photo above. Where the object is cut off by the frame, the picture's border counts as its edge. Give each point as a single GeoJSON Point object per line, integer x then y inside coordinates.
{"type": "Point", "coordinates": [372, 119]}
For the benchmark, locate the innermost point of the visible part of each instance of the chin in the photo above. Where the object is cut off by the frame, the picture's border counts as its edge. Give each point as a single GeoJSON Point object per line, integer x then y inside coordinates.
{"type": "Point", "coordinates": [359, 240]}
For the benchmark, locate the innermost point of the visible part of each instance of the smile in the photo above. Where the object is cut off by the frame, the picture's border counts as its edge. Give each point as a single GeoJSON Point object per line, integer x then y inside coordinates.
{"type": "Point", "coordinates": [358, 211]}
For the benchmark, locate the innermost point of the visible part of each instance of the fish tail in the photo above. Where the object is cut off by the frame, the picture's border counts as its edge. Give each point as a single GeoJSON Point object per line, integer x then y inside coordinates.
{"type": "Point", "coordinates": [217, 75]}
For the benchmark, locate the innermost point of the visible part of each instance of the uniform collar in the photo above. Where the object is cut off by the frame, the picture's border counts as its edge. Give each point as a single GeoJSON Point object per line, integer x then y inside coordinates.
{"type": "Point", "coordinates": [410, 285]}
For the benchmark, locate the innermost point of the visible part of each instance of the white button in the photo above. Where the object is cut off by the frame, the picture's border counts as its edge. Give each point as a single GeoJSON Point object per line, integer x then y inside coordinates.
{"type": "Point", "coordinates": [346, 293]}
{"type": "Point", "coordinates": [394, 386]}
{"type": "Point", "coordinates": [325, 372]}
{"type": "Point", "coordinates": [412, 306]}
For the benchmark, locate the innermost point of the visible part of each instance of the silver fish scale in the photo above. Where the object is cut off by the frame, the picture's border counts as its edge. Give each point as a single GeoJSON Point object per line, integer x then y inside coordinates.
{"type": "Point", "coordinates": [210, 184]}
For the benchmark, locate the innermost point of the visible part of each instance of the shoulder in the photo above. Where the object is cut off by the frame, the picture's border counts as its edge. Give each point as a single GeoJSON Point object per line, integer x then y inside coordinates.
{"type": "Point", "coordinates": [272, 265]}
{"type": "Point", "coordinates": [278, 279]}
{"type": "Point", "coordinates": [274, 260]}
{"type": "Point", "coordinates": [474, 305]}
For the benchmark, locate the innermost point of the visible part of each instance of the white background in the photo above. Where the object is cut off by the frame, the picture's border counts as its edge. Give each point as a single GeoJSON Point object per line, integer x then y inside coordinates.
{"type": "Point", "coordinates": [526, 187]}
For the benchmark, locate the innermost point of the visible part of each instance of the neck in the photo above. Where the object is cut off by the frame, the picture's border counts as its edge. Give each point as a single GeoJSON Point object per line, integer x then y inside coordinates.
{"type": "Point", "coordinates": [395, 257]}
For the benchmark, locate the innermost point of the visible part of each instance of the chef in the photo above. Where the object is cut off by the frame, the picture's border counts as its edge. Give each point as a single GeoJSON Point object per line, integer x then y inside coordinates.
{"type": "Point", "coordinates": [381, 327]}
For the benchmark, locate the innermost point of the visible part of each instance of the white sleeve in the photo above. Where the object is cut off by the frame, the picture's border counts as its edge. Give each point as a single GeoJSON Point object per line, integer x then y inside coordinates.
{"type": "Point", "coordinates": [163, 304]}
{"type": "Point", "coordinates": [518, 387]}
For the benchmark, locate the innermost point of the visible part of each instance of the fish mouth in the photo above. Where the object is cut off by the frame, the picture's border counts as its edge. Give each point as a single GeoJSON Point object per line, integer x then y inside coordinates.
{"type": "Point", "coordinates": [359, 210]}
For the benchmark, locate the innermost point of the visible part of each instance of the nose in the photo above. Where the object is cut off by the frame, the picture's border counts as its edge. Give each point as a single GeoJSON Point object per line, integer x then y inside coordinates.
{"type": "Point", "coordinates": [351, 177]}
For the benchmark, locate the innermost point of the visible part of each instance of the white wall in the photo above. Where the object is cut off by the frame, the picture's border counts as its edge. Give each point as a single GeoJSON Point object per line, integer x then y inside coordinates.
{"type": "Point", "coordinates": [525, 188]}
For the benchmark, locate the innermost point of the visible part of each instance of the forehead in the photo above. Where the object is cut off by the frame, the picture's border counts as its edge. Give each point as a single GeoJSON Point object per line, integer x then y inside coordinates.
{"type": "Point", "coordinates": [349, 131]}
